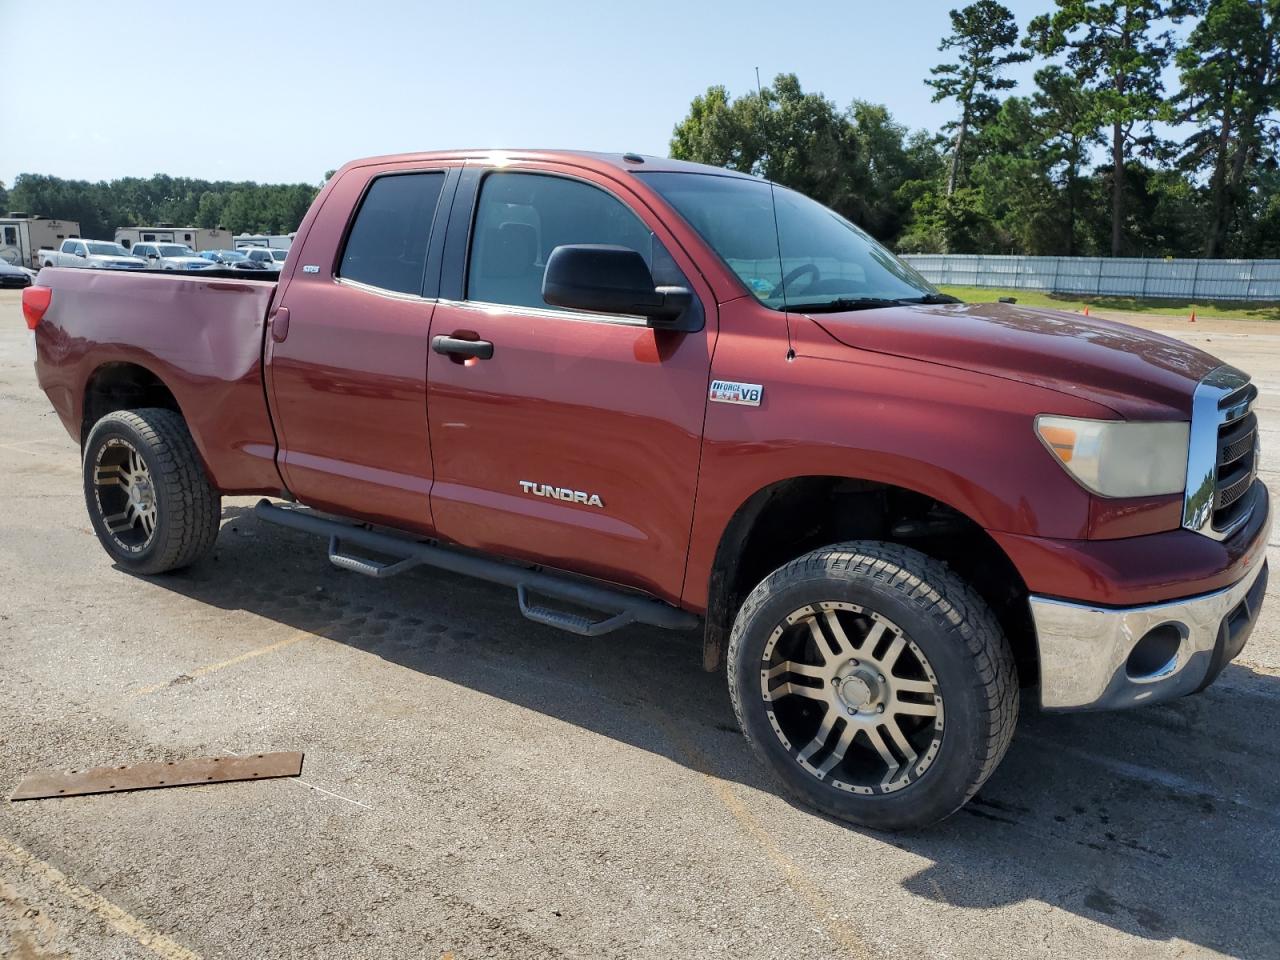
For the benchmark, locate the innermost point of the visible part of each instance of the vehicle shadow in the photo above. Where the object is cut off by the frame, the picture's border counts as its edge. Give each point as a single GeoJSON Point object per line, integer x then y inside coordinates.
{"type": "Point", "coordinates": [1161, 822]}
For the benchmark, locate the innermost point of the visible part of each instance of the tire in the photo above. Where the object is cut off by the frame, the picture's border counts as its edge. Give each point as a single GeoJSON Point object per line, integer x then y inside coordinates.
{"type": "Point", "coordinates": [147, 493]}
{"type": "Point", "coordinates": [939, 668]}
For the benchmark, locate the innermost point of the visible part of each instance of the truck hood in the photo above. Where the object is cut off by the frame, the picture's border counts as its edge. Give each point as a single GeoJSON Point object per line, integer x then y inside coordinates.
{"type": "Point", "coordinates": [1139, 374]}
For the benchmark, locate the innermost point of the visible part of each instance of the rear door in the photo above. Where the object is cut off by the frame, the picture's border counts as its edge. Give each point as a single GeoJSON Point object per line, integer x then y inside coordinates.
{"type": "Point", "coordinates": [347, 350]}
{"type": "Point", "coordinates": [576, 443]}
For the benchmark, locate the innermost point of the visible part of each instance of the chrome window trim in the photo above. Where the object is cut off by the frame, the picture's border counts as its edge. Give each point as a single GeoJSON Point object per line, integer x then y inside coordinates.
{"type": "Point", "coordinates": [1202, 454]}
{"type": "Point", "coordinates": [580, 316]}
{"type": "Point", "coordinates": [377, 291]}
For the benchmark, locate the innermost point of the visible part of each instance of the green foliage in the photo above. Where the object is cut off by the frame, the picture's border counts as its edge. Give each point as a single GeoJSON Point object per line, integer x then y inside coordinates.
{"type": "Point", "coordinates": [1117, 50]}
{"type": "Point", "coordinates": [1230, 74]}
{"type": "Point", "coordinates": [983, 34]}
{"type": "Point", "coordinates": [854, 161]}
{"type": "Point", "coordinates": [103, 206]}
{"type": "Point", "coordinates": [1021, 174]}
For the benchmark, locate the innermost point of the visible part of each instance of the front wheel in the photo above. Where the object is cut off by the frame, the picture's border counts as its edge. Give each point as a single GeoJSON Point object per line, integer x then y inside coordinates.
{"type": "Point", "coordinates": [875, 682]}
{"type": "Point", "coordinates": [149, 499]}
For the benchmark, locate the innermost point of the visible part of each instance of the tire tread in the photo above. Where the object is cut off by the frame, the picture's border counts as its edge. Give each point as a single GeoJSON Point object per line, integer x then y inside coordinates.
{"type": "Point", "coordinates": [935, 590]}
{"type": "Point", "coordinates": [194, 507]}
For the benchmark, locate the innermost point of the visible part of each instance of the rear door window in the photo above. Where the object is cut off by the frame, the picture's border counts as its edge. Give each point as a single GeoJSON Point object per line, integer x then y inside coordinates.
{"type": "Point", "coordinates": [387, 245]}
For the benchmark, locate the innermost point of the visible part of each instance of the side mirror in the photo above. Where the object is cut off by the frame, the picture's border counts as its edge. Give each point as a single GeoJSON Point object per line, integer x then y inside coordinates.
{"type": "Point", "coordinates": [153, 256]}
{"type": "Point", "coordinates": [608, 279]}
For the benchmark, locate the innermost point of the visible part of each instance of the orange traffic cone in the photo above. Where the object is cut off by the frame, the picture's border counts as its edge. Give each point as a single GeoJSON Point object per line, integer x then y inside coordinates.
{"type": "Point", "coordinates": [1193, 316]}
{"type": "Point", "coordinates": [1086, 309]}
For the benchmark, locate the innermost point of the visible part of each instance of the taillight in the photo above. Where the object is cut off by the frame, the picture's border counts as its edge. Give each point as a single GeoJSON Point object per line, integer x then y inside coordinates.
{"type": "Point", "coordinates": [35, 301]}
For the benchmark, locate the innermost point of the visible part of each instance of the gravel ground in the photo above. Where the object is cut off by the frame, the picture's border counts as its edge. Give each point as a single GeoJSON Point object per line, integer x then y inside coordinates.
{"type": "Point", "coordinates": [479, 786]}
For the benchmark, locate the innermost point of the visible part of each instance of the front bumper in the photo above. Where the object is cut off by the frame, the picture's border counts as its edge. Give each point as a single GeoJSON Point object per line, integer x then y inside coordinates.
{"type": "Point", "coordinates": [1090, 657]}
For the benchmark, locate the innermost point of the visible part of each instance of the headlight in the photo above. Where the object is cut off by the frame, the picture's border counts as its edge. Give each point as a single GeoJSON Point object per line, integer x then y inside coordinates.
{"type": "Point", "coordinates": [1116, 458]}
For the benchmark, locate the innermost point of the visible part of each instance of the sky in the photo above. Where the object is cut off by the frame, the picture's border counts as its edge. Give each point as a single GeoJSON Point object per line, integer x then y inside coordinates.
{"type": "Point", "coordinates": [282, 91]}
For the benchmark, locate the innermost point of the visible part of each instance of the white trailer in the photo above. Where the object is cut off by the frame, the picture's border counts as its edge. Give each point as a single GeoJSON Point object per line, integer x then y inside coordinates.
{"type": "Point", "coordinates": [22, 237]}
{"type": "Point", "coordinates": [272, 241]}
{"type": "Point", "coordinates": [197, 238]}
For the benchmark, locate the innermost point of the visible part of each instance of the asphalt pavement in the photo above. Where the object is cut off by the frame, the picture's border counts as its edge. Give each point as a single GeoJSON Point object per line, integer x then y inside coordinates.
{"type": "Point", "coordinates": [476, 785]}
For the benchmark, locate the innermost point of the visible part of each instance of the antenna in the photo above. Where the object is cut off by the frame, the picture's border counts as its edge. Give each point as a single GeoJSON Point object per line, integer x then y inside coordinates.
{"type": "Point", "coordinates": [777, 233]}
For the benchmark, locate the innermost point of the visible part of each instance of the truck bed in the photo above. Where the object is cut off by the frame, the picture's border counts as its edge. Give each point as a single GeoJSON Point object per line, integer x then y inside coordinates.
{"type": "Point", "coordinates": [201, 335]}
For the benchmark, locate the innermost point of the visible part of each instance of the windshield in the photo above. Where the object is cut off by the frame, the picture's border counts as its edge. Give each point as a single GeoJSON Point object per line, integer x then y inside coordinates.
{"type": "Point", "coordinates": [798, 255]}
{"type": "Point", "coordinates": [175, 250]}
{"type": "Point", "coordinates": [232, 256]}
{"type": "Point", "coordinates": [102, 249]}
{"type": "Point", "coordinates": [279, 254]}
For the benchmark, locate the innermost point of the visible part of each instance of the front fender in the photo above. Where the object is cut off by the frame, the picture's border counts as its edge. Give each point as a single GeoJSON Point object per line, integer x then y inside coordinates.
{"type": "Point", "coordinates": [964, 439]}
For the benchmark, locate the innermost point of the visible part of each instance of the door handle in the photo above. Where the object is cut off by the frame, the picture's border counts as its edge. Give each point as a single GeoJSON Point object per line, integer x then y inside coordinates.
{"type": "Point", "coordinates": [280, 324]}
{"type": "Point", "coordinates": [456, 346]}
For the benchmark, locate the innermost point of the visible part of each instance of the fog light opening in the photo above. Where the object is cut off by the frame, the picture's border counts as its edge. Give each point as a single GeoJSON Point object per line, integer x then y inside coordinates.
{"type": "Point", "coordinates": [1155, 656]}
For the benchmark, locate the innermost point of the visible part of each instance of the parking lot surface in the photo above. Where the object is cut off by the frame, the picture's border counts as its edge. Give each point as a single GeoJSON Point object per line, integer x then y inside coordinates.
{"type": "Point", "coordinates": [479, 786]}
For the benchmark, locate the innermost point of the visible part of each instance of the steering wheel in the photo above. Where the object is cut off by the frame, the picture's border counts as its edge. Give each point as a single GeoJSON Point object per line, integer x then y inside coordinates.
{"type": "Point", "coordinates": [795, 275]}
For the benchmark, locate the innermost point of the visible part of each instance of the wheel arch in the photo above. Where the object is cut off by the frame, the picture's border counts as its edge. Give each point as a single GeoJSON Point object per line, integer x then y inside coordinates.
{"type": "Point", "coordinates": [787, 518]}
{"type": "Point", "coordinates": [122, 385]}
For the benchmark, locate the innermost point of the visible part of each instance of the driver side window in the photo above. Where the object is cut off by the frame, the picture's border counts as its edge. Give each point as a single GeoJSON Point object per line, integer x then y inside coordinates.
{"type": "Point", "coordinates": [522, 217]}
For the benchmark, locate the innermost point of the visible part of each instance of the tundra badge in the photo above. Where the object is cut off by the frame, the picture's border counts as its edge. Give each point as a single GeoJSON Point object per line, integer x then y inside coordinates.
{"type": "Point", "coordinates": [730, 391]}
{"type": "Point", "coordinates": [561, 493]}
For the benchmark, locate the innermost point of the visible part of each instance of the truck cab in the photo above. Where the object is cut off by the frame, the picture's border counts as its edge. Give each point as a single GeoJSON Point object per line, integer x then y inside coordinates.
{"type": "Point", "coordinates": [171, 256]}
{"type": "Point", "coordinates": [92, 254]}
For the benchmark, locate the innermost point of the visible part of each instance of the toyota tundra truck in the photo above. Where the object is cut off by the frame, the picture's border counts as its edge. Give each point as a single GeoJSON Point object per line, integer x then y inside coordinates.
{"type": "Point", "coordinates": [641, 391]}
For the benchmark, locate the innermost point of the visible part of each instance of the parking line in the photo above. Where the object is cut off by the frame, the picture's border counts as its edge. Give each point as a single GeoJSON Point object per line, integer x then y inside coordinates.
{"type": "Point", "coordinates": [792, 872]}
{"type": "Point", "coordinates": [120, 920]}
{"type": "Point", "coordinates": [215, 667]}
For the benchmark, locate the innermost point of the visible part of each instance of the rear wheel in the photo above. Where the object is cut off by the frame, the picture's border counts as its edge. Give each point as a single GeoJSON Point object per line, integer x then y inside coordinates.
{"type": "Point", "coordinates": [875, 682]}
{"type": "Point", "coordinates": [150, 502]}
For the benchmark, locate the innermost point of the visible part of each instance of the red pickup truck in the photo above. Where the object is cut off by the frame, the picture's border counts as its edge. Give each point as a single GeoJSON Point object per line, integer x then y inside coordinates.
{"type": "Point", "coordinates": [644, 391]}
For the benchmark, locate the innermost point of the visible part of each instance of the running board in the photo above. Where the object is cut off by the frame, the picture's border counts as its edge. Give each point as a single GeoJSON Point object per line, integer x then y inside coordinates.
{"type": "Point", "coordinates": [619, 608]}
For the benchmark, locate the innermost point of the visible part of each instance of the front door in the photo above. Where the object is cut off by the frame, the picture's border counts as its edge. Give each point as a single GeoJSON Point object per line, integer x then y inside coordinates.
{"type": "Point", "coordinates": [574, 442]}
{"type": "Point", "coordinates": [347, 350]}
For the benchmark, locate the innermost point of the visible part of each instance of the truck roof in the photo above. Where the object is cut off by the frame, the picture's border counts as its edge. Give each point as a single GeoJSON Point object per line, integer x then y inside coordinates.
{"type": "Point", "coordinates": [587, 158]}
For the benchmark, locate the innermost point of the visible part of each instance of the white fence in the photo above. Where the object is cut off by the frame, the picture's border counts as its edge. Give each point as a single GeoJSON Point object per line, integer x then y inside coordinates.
{"type": "Point", "coordinates": [1171, 279]}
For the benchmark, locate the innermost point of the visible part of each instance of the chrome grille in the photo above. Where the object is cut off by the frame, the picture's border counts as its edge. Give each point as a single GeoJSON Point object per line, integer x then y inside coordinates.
{"type": "Point", "coordinates": [1222, 461]}
{"type": "Point", "coordinates": [1236, 465]}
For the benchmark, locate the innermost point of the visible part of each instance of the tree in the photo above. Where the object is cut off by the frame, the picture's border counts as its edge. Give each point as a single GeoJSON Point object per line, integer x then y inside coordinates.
{"type": "Point", "coordinates": [1064, 113]}
{"type": "Point", "coordinates": [983, 33]}
{"type": "Point", "coordinates": [1115, 49]}
{"type": "Point", "coordinates": [887, 158]}
{"type": "Point", "coordinates": [723, 132]}
{"type": "Point", "coordinates": [857, 161]}
{"type": "Point", "coordinates": [102, 207]}
{"type": "Point", "coordinates": [1230, 73]}
{"type": "Point", "coordinates": [798, 139]}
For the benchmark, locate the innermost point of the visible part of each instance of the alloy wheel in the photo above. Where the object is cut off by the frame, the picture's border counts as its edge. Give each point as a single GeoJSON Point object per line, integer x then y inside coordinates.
{"type": "Point", "coordinates": [852, 698]}
{"type": "Point", "coordinates": [125, 495]}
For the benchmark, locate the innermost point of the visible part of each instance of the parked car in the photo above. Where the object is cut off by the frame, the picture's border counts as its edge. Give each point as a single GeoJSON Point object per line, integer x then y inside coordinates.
{"type": "Point", "coordinates": [15, 277]}
{"type": "Point", "coordinates": [271, 258]}
{"type": "Point", "coordinates": [678, 395]}
{"type": "Point", "coordinates": [93, 254]}
{"type": "Point", "coordinates": [232, 260]}
{"type": "Point", "coordinates": [172, 256]}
